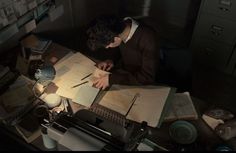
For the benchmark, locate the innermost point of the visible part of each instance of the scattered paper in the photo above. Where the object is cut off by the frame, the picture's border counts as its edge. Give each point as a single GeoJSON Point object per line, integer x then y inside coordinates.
{"type": "Point", "coordinates": [8, 33]}
{"type": "Point", "coordinates": [31, 25]}
{"type": "Point", "coordinates": [56, 13]}
{"type": "Point", "coordinates": [86, 95]}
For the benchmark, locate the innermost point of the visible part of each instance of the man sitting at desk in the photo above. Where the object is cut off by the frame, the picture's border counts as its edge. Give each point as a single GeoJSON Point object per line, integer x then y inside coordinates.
{"type": "Point", "coordinates": [138, 46]}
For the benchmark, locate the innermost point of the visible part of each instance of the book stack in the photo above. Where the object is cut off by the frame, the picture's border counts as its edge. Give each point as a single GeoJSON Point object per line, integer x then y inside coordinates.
{"type": "Point", "coordinates": [6, 77]}
{"type": "Point", "coordinates": [15, 98]}
{"type": "Point", "coordinates": [33, 47]}
{"type": "Point", "coordinates": [32, 52]}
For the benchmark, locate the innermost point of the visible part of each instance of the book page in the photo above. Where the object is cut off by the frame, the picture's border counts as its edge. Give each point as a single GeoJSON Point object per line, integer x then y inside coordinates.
{"type": "Point", "coordinates": [147, 106]}
{"type": "Point", "coordinates": [118, 98]}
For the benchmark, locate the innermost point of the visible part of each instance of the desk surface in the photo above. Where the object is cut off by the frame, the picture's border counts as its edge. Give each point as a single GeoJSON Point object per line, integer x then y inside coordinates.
{"type": "Point", "coordinates": [206, 140]}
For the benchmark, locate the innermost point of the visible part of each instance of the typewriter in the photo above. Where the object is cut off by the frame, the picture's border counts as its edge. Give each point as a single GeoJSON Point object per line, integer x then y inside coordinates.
{"type": "Point", "coordinates": [95, 129]}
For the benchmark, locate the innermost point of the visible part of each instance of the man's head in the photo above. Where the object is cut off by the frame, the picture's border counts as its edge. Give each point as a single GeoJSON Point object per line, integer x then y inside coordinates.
{"type": "Point", "coordinates": [104, 32]}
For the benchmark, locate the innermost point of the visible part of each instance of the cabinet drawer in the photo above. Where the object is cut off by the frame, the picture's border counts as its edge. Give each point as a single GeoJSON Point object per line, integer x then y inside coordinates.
{"type": "Point", "coordinates": [231, 68]}
{"type": "Point", "coordinates": [216, 28]}
{"type": "Point", "coordinates": [210, 53]}
{"type": "Point", "coordinates": [222, 8]}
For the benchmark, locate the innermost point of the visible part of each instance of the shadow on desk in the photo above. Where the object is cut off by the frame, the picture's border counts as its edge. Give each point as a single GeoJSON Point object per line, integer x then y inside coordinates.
{"type": "Point", "coordinates": [11, 142]}
{"type": "Point", "coordinates": [206, 140]}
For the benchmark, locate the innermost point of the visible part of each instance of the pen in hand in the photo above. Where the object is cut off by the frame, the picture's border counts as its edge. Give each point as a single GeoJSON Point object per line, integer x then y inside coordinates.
{"type": "Point", "coordinates": [79, 84]}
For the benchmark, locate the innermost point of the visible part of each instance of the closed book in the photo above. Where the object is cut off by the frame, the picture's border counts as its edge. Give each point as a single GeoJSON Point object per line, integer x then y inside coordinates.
{"type": "Point", "coordinates": [181, 107]}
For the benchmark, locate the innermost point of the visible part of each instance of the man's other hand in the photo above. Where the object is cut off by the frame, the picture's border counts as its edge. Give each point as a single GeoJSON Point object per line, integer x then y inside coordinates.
{"type": "Point", "coordinates": [102, 82]}
{"type": "Point", "coordinates": [105, 65]}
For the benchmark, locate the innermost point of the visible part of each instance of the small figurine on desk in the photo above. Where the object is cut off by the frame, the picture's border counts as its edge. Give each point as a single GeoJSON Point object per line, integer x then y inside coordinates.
{"type": "Point", "coordinates": [218, 113]}
{"type": "Point", "coordinates": [227, 130]}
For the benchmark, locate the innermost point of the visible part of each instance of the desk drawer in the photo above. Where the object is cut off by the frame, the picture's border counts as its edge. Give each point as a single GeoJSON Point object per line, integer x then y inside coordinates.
{"type": "Point", "coordinates": [210, 53]}
{"type": "Point", "coordinates": [222, 8]}
{"type": "Point", "coordinates": [216, 28]}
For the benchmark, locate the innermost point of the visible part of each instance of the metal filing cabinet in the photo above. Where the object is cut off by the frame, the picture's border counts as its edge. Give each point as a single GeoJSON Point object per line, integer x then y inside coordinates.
{"type": "Point", "coordinates": [214, 38]}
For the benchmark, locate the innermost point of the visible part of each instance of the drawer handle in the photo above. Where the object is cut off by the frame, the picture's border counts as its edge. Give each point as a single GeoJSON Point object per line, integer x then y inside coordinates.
{"type": "Point", "coordinates": [224, 9]}
{"type": "Point", "coordinates": [216, 30]}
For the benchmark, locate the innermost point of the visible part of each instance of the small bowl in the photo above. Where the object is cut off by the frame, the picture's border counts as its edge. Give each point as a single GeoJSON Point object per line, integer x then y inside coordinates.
{"type": "Point", "coordinates": [183, 132]}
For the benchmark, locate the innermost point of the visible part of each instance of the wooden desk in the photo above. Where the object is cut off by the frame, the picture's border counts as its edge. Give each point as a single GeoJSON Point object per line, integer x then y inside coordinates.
{"type": "Point", "coordinates": [206, 140]}
{"type": "Point", "coordinates": [57, 52]}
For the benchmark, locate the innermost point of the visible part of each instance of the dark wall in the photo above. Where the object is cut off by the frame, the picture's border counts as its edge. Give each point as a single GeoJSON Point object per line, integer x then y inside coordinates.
{"type": "Point", "coordinates": [53, 29]}
{"type": "Point", "coordinates": [70, 28]}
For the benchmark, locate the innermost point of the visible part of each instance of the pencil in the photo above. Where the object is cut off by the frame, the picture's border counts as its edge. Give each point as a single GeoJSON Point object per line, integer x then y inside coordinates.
{"type": "Point", "coordinates": [133, 100]}
{"type": "Point", "coordinates": [86, 76]}
{"type": "Point", "coordinates": [79, 84]}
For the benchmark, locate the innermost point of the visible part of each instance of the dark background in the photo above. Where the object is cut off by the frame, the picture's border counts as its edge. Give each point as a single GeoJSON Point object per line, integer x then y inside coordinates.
{"type": "Point", "coordinates": [174, 20]}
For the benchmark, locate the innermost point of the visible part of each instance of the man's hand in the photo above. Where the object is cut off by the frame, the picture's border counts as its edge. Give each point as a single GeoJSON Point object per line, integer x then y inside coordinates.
{"type": "Point", "coordinates": [102, 82]}
{"type": "Point", "coordinates": [105, 65]}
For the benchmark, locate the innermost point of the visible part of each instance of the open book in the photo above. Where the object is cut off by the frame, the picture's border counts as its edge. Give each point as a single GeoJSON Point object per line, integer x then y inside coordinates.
{"type": "Point", "coordinates": [72, 71]}
{"type": "Point", "coordinates": [138, 103]}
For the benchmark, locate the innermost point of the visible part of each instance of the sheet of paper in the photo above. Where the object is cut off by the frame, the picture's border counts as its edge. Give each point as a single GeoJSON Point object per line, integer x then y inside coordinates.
{"type": "Point", "coordinates": [72, 78]}
{"type": "Point", "coordinates": [69, 73]}
{"type": "Point", "coordinates": [66, 63]}
{"type": "Point", "coordinates": [60, 68]}
{"type": "Point", "coordinates": [118, 99]}
{"type": "Point", "coordinates": [20, 81]}
{"type": "Point", "coordinates": [86, 95]}
{"type": "Point", "coordinates": [16, 97]}
{"type": "Point", "coordinates": [72, 59]}
{"type": "Point", "coordinates": [76, 58]}
{"type": "Point", "coordinates": [56, 13]}
{"type": "Point", "coordinates": [8, 32]}
{"type": "Point", "coordinates": [65, 57]}
{"type": "Point", "coordinates": [31, 25]}
{"type": "Point", "coordinates": [147, 107]}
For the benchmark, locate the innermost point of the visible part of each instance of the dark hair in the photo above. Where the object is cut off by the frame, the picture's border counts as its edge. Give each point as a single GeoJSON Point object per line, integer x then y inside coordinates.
{"type": "Point", "coordinates": [103, 29]}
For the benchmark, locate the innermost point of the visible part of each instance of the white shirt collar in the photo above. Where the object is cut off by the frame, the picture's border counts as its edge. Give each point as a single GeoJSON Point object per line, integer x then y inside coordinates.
{"type": "Point", "coordinates": [134, 26]}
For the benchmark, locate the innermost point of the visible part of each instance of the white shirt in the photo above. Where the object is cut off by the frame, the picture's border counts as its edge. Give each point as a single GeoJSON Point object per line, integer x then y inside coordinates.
{"type": "Point", "coordinates": [134, 26]}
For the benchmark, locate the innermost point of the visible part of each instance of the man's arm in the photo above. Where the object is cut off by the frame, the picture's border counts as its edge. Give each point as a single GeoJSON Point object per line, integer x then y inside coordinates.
{"type": "Point", "coordinates": [147, 73]}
